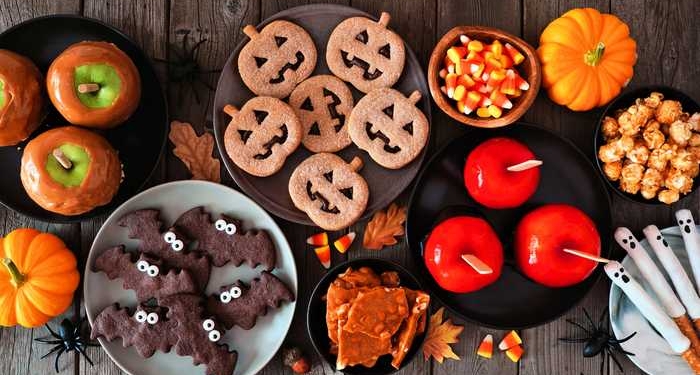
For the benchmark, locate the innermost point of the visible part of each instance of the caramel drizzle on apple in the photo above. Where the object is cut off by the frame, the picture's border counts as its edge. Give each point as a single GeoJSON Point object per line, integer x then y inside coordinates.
{"type": "Point", "coordinates": [62, 158]}
{"type": "Point", "coordinates": [528, 164]}
{"type": "Point", "coordinates": [85, 88]}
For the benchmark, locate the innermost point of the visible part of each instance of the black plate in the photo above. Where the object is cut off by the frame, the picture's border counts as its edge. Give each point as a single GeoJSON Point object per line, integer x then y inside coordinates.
{"type": "Point", "coordinates": [139, 141]}
{"type": "Point", "coordinates": [316, 316]}
{"type": "Point", "coordinates": [625, 101]}
{"type": "Point", "coordinates": [513, 301]}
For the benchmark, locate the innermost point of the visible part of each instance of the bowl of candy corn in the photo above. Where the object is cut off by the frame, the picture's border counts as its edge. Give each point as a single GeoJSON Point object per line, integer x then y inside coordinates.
{"type": "Point", "coordinates": [483, 77]}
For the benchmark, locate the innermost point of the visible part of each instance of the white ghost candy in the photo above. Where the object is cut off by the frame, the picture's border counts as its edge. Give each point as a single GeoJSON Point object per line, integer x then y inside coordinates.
{"type": "Point", "coordinates": [141, 316]}
{"type": "Point", "coordinates": [169, 237]}
{"type": "Point", "coordinates": [208, 325]}
{"type": "Point", "coordinates": [142, 265]}
{"type": "Point", "coordinates": [152, 318]}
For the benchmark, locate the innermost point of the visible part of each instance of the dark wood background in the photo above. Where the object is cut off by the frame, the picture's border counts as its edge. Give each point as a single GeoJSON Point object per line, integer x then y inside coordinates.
{"type": "Point", "coordinates": [668, 48]}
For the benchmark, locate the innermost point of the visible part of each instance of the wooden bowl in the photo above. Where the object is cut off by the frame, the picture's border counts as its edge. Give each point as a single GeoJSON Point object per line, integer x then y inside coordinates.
{"type": "Point", "coordinates": [530, 69]}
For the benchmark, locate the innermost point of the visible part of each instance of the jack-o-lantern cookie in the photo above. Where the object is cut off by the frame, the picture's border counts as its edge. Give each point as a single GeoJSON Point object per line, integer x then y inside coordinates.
{"type": "Point", "coordinates": [276, 59]}
{"type": "Point", "coordinates": [389, 127]}
{"type": "Point", "coordinates": [366, 53]}
{"type": "Point", "coordinates": [329, 190]}
{"type": "Point", "coordinates": [323, 104]}
{"type": "Point", "coordinates": [261, 135]}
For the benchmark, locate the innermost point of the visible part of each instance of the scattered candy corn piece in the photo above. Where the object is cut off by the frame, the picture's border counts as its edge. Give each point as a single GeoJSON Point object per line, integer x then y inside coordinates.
{"type": "Point", "coordinates": [318, 239]}
{"type": "Point", "coordinates": [342, 244]}
{"type": "Point", "coordinates": [510, 340]}
{"type": "Point", "coordinates": [324, 255]}
{"type": "Point", "coordinates": [515, 353]}
{"type": "Point", "coordinates": [486, 347]}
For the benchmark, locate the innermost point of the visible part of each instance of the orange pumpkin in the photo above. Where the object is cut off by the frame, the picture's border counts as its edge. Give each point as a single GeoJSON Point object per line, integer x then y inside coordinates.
{"type": "Point", "coordinates": [38, 279]}
{"type": "Point", "coordinates": [587, 58]}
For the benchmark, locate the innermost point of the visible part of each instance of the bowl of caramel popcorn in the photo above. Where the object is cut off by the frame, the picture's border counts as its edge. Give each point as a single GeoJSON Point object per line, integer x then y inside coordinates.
{"type": "Point", "coordinates": [648, 145]}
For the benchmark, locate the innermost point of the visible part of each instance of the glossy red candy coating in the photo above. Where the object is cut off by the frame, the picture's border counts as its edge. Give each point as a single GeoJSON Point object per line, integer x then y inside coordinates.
{"type": "Point", "coordinates": [540, 240]}
{"type": "Point", "coordinates": [462, 235]}
{"type": "Point", "coordinates": [490, 183]}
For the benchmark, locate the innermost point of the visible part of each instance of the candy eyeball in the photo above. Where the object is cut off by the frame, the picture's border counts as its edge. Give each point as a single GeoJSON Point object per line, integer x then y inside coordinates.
{"type": "Point", "coordinates": [214, 336]}
{"type": "Point", "coordinates": [169, 237]}
{"type": "Point", "coordinates": [152, 318]}
{"type": "Point", "coordinates": [152, 271]}
{"type": "Point", "coordinates": [177, 245]}
{"type": "Point", "coordinates": [141, 316]}
{"type": "Point", "coordinates": [235, 292]}
{"type": "Point", "coordinates": [220, 225]}
{"type": "Point", "coordinates": [230, 229]}
{"type": "Point", "coordinates": [225, 297]}
{"type": "Point", "coordinates": [142, 265]}
{"type": "Point", "coordinates": [208, 325]}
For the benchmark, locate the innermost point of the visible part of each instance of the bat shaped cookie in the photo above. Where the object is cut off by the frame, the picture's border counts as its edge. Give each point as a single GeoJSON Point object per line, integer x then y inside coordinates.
{"type": "Point", "coordinates": [146, 275]}
{"type": "Point", "coordinates": [147, 329]}
{"type": "Point", "coordinates": [170, 245]}
{"type": "Point", "coordinates": [198, 335]}
{"type": "Point", "coordinates": [224, 240]}
{"type": "Point", "coordinates": [240, 305]}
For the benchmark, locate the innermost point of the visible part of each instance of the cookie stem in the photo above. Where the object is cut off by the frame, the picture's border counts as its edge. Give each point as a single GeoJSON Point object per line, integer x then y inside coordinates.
{"type": "Point", "coordinates": [250, 31]}
{"type": "Point", "coordinates": [230, 110]}
{"type": "Point", "coordinates": [356, 164]}
{"type": "Point", "coordinates": [384, 19]}
{"type": "Point", "coordinates": [85, 88]}
{"type": "Point", "coordinates": [414, 97]}
{"type": "Point", "coordinates": [61, 158]}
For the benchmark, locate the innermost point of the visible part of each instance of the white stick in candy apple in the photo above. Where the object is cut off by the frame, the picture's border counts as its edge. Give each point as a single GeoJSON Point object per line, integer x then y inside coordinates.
{"type": "Point", "coordinates": [528, 164]}
{"type": "Point", "coordinates": [651, 272]}
{"type": "Point", "coordinates": [586, 255]}
{"type": "Point", "coordinates": [477, 264]}
{"type": "Point", "coordinates": [690, 237]}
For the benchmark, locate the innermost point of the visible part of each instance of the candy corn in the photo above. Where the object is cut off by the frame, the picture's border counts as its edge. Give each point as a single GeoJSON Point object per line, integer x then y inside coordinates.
{"type": "Point", "coordinates": [514, 54]}
{"type": "Point", "coordinates": [318, 239]}
{"type": "Point", "coordinates": [486, 347]}
{"type": "Point", "coordinates": [515, 353]}
{"type": "Point", "coordinates": [324, 255]}
{"type": "Point", "coordinates": [342, 244]}
{"type": "Point", "coordinates": [509, 341]}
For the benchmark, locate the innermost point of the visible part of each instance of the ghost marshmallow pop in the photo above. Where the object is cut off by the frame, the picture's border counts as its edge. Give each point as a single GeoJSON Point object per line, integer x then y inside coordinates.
{"type": "Point", "coordinates": [670, 302]}
{"type": "Point", "coordinates": [654, 314]}
{"type": "Point", "coordinates": [690, 237]}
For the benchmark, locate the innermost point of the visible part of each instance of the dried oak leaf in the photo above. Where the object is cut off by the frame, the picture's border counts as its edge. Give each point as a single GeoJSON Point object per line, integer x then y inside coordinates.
{"type": "Point", "coordinates": [195, 151]}
{"type": "Point", "coordinates": [440, 336]}
{"type": "Point", "coordinates": [384, 227]}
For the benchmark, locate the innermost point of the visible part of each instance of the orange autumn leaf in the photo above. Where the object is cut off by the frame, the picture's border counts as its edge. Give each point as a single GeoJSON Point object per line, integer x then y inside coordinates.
{"type": "Point", "coordinates": [195, 151]}
{"type": "Point", "coordinates": [384, 227]}
{"type": "Point", "coordinates": [440, 336]}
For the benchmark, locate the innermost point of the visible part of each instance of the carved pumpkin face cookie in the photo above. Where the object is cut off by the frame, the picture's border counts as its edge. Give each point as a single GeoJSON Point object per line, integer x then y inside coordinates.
{"type": "Point", "coordinates": [261, 135]}
{"type": "Point", "coordinates": [329, 190]}
{"type": "Point", "coordinates": [366, 53]}
{"type": "Point", "coordinates": [389, 127]}
{"type": "Point", "coordinates": [276, 59]}
{"type": "Point", "coordinates": [323, 104]}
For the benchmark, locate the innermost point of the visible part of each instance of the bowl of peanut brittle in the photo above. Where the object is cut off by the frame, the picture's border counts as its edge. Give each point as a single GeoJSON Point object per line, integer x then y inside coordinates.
{"type": "Point", "coordinates": [647, 144]}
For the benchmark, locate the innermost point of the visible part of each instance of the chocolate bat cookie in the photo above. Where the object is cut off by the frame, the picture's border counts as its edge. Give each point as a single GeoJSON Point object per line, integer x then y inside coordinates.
{"type": "Point", "coordinates": [147, 329]}
{"type": "Point", "coordinates": [198, 335]}
{"type": "Point", "coordinates": [240, 305]}
{"type": "Point", "coordinates": [144, 274]}
{"type": "Point", "coordinates": [224, 240]}
{"type": "Point", "coordinates": [169, 245]}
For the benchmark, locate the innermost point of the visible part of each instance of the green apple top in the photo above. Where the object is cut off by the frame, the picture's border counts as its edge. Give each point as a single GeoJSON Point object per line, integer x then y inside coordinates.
{"type": "Point", "coordinates": [105, 80]}
{"type": "Point", "coordinates": [2, 94]}
{"type": "Point", "coordinates": [79, 162]}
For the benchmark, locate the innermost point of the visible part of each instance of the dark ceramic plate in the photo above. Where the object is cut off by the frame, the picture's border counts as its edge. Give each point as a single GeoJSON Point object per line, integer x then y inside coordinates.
{"type": "Point", "coordinates": [624, 101]}
{"type": "Point", "coordinates": [271, 192]}
{"type": "Point", "coordinates": [513, 301]}
{"type": "Point", "coordinates": [316, 316]}
{"type": "Point", "coordinates": [139, 141]}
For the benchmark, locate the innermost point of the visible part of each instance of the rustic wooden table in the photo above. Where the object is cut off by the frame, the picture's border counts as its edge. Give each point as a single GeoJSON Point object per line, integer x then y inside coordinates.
{"type": "Point", "coordinates": [669, 53]}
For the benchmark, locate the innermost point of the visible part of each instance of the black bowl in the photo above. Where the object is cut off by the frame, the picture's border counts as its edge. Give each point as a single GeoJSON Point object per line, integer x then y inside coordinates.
{"type": "Point", "coordinates": [140, 140]}
{"type": "Point", "coordinates": [316, 316]}
{"type": "Point", "coordinates": [624, 101]}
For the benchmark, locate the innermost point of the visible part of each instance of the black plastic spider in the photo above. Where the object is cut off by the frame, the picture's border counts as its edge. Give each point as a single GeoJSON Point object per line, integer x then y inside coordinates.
{"type": "Point", "coordinates": [599, 341]}
{"type": "Point", "coordinates": [68, 338]}
{"type": "Point", "coordinates": [184, 68]}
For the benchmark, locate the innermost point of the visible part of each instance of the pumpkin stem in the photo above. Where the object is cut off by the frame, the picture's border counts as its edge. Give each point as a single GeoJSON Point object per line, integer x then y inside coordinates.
{"type": "Point", "coordinates": [17, 278]}
{"type": "Point", "coordinates": [593, 57]}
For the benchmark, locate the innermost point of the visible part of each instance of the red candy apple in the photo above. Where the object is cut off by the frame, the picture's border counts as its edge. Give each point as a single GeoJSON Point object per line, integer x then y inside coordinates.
{"type": "Point", "coordinates": [455, 237]}
{"type": "Point", "coordinates": [490, 182]}
{"type": "Point", "coordinates": [540, 240]}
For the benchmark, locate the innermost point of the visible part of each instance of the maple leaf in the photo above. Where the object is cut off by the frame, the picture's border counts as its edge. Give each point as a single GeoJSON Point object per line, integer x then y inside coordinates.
{"type": "Point", "coordinates": [440, 336]}
{"type": "Point", "coordinates": [384, 227]}
{"type": "Point", "coordinates": [195, 151]}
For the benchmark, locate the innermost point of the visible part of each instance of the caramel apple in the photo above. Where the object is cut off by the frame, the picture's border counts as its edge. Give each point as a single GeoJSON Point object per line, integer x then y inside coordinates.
{"type": "Point", "coordinates": [70, 170]}
{"type": "Point", "coordinates": [94, 84]}
{"type": "Point", "coordinates": [21, 101]}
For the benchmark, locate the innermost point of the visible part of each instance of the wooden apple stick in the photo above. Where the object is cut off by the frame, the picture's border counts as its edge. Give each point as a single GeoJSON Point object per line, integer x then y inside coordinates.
{"type": "Point", "coordinates": [686, 224]}
{"type": "Point", "coordinates": [684, 287]}
{"type": "Point", "coordinates": [586, 255]}
{"type": "Point", "coordinates": [670, 302]}
{"type": "Point", "coordinates": [62, 158]}
{"type": "Point", "coordinates": [477, 264]}
{"type": "Point", "coordinates": [527, 164]}
{"type": "Point", "coordinates": [654, 314]}
{"type": "Point", "coordinates": [85, 88]}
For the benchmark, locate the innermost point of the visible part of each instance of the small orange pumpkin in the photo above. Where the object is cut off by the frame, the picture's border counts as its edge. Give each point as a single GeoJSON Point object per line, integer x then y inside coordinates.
{"type": "Point", "coordinates": [38, 279]}
{"type": "Point", "coordinates": [587, 58]}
